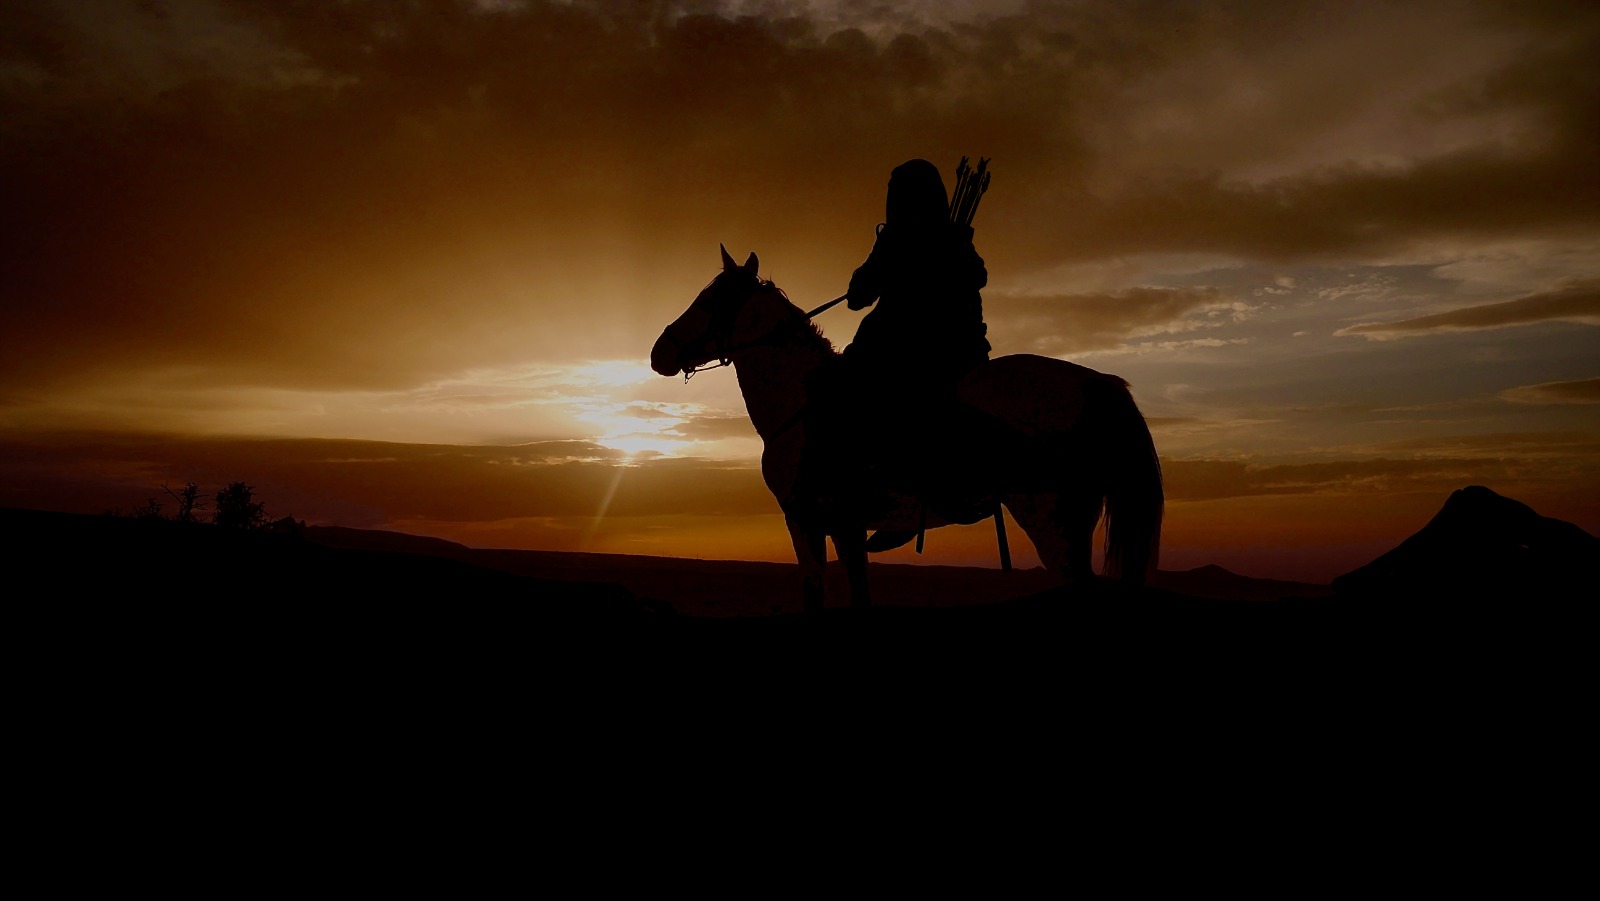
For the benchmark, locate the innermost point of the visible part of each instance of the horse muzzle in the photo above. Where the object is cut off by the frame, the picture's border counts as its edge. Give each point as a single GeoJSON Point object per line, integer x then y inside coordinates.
{"type": "Point", "coordinates": [665, 358]}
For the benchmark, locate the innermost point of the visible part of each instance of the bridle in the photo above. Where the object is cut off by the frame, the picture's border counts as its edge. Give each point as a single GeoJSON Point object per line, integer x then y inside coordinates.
{"type": "Point", "coordinates": [724, 309]}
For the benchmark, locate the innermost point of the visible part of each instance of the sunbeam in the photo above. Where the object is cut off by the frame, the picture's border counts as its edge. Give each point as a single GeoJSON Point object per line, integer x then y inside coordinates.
{"type": "Point", "coordinates": [605, 504]}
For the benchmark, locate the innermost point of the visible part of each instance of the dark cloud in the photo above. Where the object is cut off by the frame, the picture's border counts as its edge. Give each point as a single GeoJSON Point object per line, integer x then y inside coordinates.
{"type": "Point", "coordinates": [1204, 480]}
{"type": "Point", "coordinates": [1160, 423]}
{"type": "Point", "coordinates": [715, 427]}
{"type": "Point", "coordinates": [371, 195]}
{"type": "Point", "coordinates": [1579, 302]}
{"type": "Point", "coordinates": [1284, 152]}
{"type": "Point", "coordinates": [1084, 322]}
{"type": "Point", "coordinates": [432, 188]}
{"type": "Point", "coordinates": [1581, 391]}
{"type": "Point", "coordinates": [1500, 444]}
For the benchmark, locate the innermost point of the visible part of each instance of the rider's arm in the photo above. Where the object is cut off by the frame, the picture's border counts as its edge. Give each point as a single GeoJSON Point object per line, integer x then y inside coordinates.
{"type": "Point", "coordinates": [863, 288]}
{"type": "Point", "coordinates": [866, 285]}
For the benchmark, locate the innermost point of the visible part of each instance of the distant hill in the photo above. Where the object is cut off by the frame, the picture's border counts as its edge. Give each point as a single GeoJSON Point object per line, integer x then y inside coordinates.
{"type": "Point", "coordinates": [379, 540]}
{"type": "Point", "coordinates": [348, 580]}
{"type": "Point", "coordinates": [96, 558]}
{"type": "Point", "coordinates": [1482, 545]}
{"type": "Point", "coordinates": [748, 588]}
{"type": "Point", "coordinates": [1220, 584]}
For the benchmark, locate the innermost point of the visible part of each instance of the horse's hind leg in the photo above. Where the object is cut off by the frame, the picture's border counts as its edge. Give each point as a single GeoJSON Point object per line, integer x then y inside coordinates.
{"type": "Point", "coordinates": [811, 551]}
{"type": "Point", "coordinates": [851, 546]}
{"type": "Point", "coordinates": [1080, 514]}
{"type": "Point", "coordinates": [1061, 528]}
{"type": "Point", "coordinates": [1034, 513]}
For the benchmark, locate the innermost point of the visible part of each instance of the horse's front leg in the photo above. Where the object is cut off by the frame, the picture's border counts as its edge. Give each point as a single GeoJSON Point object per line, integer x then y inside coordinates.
{"type": "Point", "coordinates": [850, 544]}
{"type": "Point", "coordinates": [812, 553]}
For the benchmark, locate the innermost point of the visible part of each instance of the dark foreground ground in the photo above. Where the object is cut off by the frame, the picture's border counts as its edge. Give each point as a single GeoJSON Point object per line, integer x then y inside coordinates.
{"type": "Point", "coordinates": [250, 684]}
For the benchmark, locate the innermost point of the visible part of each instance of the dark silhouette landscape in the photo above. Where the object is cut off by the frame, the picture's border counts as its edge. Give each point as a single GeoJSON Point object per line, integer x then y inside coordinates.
{"type": "Point", "coordinates": [278, 646]}
{"type": "Point", "coordinates": [1482, 556]}
{"type": "Point", "coordinates": [402, 265]}
{"type": "Point", "coordinates": [1483, 545]}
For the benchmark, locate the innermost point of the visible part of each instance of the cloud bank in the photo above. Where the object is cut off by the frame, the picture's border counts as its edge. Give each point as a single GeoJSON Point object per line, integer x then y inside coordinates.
{"type": "Point", "coordinates": [1576, 303]}
{"type": "Point", "coordinates": [369, 196]}
{"type": "Point", "coordinates": [1581, 391]}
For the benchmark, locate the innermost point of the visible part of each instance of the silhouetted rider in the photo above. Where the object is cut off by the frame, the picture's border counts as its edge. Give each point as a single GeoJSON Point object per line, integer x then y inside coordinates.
{"type": "Point", "coordinates": [925, 275]}
{"type": "Point", "coordinates": [891, 419]}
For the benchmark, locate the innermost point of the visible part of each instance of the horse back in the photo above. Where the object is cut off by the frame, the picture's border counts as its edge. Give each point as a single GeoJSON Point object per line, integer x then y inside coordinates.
{"type": "Point", "coordinates": [1034, 395]}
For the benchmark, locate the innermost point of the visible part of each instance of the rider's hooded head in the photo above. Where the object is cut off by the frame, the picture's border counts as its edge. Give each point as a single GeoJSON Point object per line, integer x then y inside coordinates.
{"type": "Point", "coordinates": [917, 198]}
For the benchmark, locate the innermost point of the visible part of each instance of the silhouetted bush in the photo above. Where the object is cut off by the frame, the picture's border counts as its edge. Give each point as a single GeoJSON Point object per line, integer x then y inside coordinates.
{"type": "Point", "coordinates": [188, 501]}
{"type": "Point", "coordinates": [238, 509]}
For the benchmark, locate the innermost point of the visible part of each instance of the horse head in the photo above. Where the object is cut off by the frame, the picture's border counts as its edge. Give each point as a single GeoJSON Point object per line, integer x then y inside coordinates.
{"type": "Point", "coordinates": [710, 328]}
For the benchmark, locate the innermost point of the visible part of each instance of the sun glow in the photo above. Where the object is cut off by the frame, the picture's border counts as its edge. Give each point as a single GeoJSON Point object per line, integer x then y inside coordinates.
{"type": "Point", "coordinates": [634, 445]}
{"type": "Point", "coordinates": [611, 374]}
{"type": "Point", "coordinates": [623, 405]}
{"type": "Point", "coordinates": [634, 427]}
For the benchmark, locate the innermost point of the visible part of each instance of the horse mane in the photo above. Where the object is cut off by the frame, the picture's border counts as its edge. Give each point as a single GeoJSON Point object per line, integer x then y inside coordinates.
{"type": "Point", "coordinates": [728, 277]}
{"type": "Point", "coordinates": [816, 330]}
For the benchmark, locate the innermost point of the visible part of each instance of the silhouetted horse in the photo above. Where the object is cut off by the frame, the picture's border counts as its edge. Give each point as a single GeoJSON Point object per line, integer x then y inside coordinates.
{"type": "Point", "coordinates": [1085, 445]}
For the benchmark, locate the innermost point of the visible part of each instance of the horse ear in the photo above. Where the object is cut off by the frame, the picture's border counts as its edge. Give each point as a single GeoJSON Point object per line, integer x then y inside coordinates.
{"type": "Point", "coordinates": [728, 265]}
{"type": "Point", "coordinates": [752, 263]}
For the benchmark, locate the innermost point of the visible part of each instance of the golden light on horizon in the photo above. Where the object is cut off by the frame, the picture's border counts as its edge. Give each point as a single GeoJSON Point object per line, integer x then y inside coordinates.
{"type": "Point", "coordinates": [636, 444]}
{"type": "Point", "coordinates": [609, 398]}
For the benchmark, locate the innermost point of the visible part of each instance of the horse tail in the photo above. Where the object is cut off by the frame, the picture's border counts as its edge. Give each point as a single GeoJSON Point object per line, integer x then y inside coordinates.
{"type": "Point", "coordinates": [1132, 484]}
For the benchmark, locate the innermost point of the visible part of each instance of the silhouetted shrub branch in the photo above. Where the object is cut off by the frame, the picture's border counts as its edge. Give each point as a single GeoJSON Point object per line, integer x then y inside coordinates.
{"type": "Point", "coordinates": [188, 499]}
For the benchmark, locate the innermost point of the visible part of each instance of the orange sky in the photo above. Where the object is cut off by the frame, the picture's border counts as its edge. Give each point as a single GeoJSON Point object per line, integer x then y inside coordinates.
{"type": "Point", "coordinates": [401, 266]}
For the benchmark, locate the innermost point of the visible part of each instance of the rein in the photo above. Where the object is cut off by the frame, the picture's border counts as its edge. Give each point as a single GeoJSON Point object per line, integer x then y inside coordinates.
{"type": "Point", "coordinates": [827, 306]}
